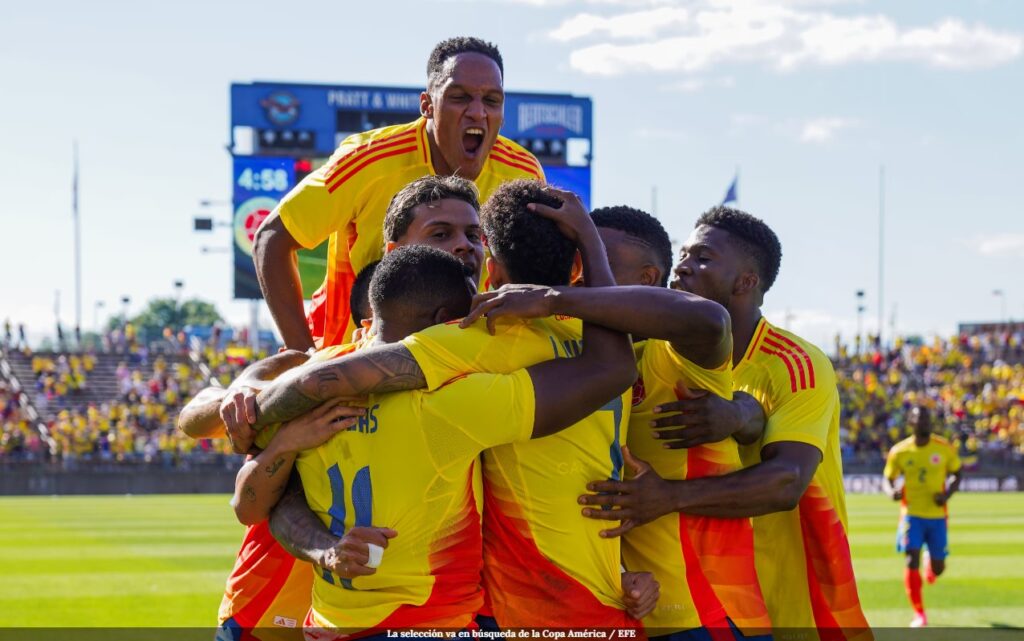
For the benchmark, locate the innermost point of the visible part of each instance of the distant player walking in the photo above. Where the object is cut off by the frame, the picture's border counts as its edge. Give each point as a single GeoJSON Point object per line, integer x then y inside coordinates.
{"type": "Point", "coordinates": [930, 467]}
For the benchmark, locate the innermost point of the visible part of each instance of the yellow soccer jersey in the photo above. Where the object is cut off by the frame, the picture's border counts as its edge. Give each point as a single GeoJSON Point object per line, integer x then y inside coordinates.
{"type": "Point", "coordinates": [408, 465]}
{"type": "Point", "coordinates": [346, 199]}
{"type": "Point", "coordinates": [544, 563]}
{"type": "Point", "coordinates": [924, 471]}
{"type": "Point", "coordinates": [803, 555]}
{"type": "Point", "coordinates": [705, 565]}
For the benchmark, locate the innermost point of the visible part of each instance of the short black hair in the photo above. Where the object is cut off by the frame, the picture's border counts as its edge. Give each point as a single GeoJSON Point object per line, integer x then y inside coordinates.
{"type": "Point", "coordinates": [359, 297]}
{"type": "Point", "coordinates": [428, 189]}
{"type": "Point", "coordinates": [416, 279]}
{"type": "Point", "coordinates": [756, 238]}
{"type": "Point", "coordinates": [641, 226]}
{"type": "Point", "coordinates": [529, 246]}
{"type": "Point", "coordinates": [453, 47]}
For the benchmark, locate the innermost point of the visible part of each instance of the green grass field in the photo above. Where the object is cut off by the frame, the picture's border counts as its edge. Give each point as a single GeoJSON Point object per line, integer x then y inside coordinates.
{"type": "Point", "coordinates": [162, 560]}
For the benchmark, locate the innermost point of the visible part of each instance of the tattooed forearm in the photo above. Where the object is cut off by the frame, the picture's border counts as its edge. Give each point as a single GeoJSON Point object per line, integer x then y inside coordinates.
{"type": "Point", "coordinates": [297, 528]}
{"type": "Point", "coordinates": [273, 468]}
{"type": "Point", "coordinates": [388, 368]}
{"type": "Point", "coordinates": [250, 494]}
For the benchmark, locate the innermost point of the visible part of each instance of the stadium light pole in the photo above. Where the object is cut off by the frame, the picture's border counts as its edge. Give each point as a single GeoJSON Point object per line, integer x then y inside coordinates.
{"type": "Point", "coordinates": [78, 242]}
{"type": "Point", "coordinates": [1002, 305]}
{"type": "Point", "coordinates": [96, 307]}
{"type": "Point", "coordinates": [881, 251]}
{"type": "Point", "coordinates": [860, 320]}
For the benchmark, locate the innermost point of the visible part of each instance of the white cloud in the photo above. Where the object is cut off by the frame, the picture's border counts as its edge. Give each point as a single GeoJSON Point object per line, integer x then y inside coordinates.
{"type": "Point", "coordinates": [641, 24]}
{"type": "Point", "coordinates": [692, 84]}
{"type": "Point", "coordinates": [999, 245]}
{"type": "Point", "coordinates": [820, 130]}
{"type": "Point", "coordinates": [785, 35]}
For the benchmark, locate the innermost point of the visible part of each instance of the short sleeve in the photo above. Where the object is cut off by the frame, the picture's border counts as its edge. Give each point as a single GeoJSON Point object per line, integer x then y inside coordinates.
{"type": "Point", "coordinates": [805, 415]}
{"type": "Point", "coordinates": [954, 464]}
{"type": "Point", "coordinates": [892, 465]}
{"type": "Point", "coordinates": [447, 351]}
{"type": "Point", "coordinates": [477, 412]}
{"type": "Point", "coordinates": [661, 360]}
{"type": "Point", "coordinates": [311, 212]}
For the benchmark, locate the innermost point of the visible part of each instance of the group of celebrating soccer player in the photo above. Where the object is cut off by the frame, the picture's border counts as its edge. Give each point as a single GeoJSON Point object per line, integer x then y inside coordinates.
{"type": "Point", "coordinates": [500, 413]}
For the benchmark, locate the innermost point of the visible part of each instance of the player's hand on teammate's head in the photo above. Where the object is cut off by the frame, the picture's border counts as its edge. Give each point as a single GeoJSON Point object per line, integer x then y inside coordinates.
{"type": "Point", "coordinates": [238, 411]}
{"type": "Point", "coordinates": [640, 500]}
{"type": "Point", "coordinates": [515, 301]}
{"type": "Point", "coordinates": [317, 426]}
{"type": "Point", "coordinates": [640, 593]}
{"type": "Point", "coordinates": [697, 418]}
{"type": "Point", "coordinates": [572, 217]}
{"type": "Point", "coordinates": [351, 556]}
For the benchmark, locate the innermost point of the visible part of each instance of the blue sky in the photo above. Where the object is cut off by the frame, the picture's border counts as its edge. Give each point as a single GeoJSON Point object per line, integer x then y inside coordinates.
{"type": "Point", "coordinates": [807, 97]}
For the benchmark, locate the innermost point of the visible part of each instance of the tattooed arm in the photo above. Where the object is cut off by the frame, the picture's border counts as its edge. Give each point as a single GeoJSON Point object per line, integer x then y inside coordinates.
{"type": "Point", "coordinates": [297, 528]}
{"type": "Point", "coordinates": [206, 415]}
{"type": "Point", "coordinates": [376, 370]}
{"type": "Point", "coordinates": [263, 478]}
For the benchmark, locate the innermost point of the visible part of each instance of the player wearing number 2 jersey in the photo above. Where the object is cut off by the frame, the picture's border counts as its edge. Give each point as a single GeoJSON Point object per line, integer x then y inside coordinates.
{"type": "Point", "coordinates": [926, 463]}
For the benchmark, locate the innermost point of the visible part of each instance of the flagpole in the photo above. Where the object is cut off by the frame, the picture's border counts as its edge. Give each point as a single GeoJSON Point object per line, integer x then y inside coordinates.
{"type": "Point", "coordinates": [78, 244]}
{"type": "Point", "coordinates": [881, 251]}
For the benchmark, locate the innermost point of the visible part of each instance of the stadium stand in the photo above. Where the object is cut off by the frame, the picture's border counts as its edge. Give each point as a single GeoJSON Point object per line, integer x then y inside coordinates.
{"type": "Point", "coordinates": [115, 407]}
{"type": "Point", "coordinates": [973, 383]}
{"type": "Point", "coordinates": [119, 405]}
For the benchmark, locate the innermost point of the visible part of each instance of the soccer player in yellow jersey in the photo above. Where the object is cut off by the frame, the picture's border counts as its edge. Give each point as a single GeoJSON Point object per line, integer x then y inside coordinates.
{"type": "Point", "coordinates": [462, 111]}
{"type": "Point", "coordinates": [792, 480]}
{"type": "Point", "coordinates": [930, 467]}
{"type": "Point", "coordinates": [562, 574]}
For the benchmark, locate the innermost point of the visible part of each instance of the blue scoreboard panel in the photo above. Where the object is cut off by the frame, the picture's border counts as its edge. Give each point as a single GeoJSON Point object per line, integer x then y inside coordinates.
{"type": "Point", "coordinates": [281, 132]}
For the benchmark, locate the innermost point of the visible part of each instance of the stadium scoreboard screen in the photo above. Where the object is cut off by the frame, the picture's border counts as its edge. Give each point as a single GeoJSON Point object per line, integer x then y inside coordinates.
{"type": "Point", "coordinates": [282, 132]}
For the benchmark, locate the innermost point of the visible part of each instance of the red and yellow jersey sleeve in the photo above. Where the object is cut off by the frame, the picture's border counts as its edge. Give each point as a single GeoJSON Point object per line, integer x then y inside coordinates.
{"type": "Point", "coordinates": [445, 351]}
{"type": "Point", "coordinates": [345, 201]}
{"type": "Point", "coordinates": [803, 555]}
{"type": "Point", "coordinates": [268, 588]}
{"type": "Point", "coordinates": [924, 470]}
{"type": "Point", "coordinates": [705, 565]}
{"type": "Point", "coordinates": [408, 465]}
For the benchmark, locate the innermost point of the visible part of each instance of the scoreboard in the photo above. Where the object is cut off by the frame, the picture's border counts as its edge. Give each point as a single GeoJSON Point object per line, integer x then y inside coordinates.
{"type": "Point", "coordinates": [282, 132]}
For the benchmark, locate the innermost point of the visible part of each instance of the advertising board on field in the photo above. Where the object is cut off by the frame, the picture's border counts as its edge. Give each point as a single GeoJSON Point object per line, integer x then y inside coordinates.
{"type": "Point", "coordinates": [873, 483]}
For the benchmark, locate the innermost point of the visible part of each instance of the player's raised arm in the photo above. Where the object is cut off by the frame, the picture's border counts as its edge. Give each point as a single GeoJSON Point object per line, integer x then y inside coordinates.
{"type": "Point", "coordinates": [277, 268]}
{"type": "Point", "coordinates": [570, 389]}
{"type": "Point", "coordinates": [697, 328]}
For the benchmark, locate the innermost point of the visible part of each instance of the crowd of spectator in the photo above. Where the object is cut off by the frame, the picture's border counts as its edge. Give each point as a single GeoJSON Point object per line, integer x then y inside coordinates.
{"type": "Point", "coordinates": [974, 386]}
{"type": "Point", "coordinates": [133, 423]}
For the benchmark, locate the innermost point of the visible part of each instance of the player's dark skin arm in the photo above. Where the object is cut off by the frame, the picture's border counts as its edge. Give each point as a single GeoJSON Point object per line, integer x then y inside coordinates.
{"type": "Point", "coordinates": [567, 390]}
{"type": "Point", "coordinates": [697, 328]}
{"type": "Point", "coordinates": [774, 485]}
{"type": "Point", "coordinates": [277, 268]}
{"type": "Point", "coordinates": [951, 488]}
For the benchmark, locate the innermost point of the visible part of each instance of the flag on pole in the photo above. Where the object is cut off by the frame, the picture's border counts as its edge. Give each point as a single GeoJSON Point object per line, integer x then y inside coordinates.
{"type": "Point", "coordinates": [732, 195]}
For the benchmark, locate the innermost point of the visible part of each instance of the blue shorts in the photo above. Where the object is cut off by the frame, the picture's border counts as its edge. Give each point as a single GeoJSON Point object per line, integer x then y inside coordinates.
{"type": "Point", "coordinates": [916, 532]}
